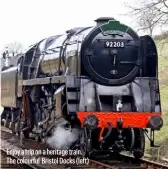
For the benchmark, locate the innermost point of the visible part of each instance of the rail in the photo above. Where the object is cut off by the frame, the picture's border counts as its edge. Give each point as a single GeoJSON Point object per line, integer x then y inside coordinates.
{"type": "Point", "coordinates": [119, 162]}
{"type": "Point", "coordinates": [6, 164]}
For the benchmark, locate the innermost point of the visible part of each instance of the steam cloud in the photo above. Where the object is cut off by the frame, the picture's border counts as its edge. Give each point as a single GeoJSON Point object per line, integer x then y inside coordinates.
{"type": "Point", "coordinates": [62, 138]}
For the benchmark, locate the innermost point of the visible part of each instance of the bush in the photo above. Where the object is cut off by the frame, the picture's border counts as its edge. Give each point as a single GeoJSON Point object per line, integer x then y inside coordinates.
{"type": "Point", "coordinates": [162, 36]}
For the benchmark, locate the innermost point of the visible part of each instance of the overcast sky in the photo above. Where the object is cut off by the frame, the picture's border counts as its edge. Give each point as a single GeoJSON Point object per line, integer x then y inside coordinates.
{"type": "Point", "coordinates": [28, 21]}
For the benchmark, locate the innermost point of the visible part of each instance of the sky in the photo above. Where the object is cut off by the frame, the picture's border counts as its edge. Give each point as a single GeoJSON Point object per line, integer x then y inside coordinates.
{"type": "Point", "coordinates": [29, 21]}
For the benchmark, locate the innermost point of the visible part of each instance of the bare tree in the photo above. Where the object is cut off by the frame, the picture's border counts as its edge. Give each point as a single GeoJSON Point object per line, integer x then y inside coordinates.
{"type": "Point", "coordinates": [145, 23]}
{"type": "Point", "coordinates": [15, 48]}
{"type": "Point", "coordinates": [149, 14]}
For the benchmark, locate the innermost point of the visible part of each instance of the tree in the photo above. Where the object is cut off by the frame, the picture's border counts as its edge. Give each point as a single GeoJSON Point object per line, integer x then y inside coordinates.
{"type": "Point", "coordinates": [15, 48]}
{"type": "Point", "coordinates": [145, 23]}
{"type": "Point", "coordinates": [149, 14]}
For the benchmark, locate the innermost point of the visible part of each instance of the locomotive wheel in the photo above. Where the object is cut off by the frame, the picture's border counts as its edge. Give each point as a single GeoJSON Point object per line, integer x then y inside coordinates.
{"type": "Point", "coordinates": [139, 144]}
{"type": "Point", "coordinates": [45, 116]}
{"type": "Point", "coordinates": [83, 148]}
{"type": "Point", "coordinates": [85, 142]}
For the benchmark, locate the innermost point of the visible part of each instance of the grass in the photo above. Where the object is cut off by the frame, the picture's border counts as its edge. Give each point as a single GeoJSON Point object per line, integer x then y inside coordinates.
{"type": "Point", "coordinates": [162, 47]}
{"type": "Point", "coordinates": [163, 63]}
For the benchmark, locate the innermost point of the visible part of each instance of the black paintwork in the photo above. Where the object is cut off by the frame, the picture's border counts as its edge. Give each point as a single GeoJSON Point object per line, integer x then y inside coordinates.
{"type": "Point", "coordinates": [137, 58]}
{"type": "Point", "coordinates": [98, 60]}
{"type": "Point", "coordinates": [150, 57]}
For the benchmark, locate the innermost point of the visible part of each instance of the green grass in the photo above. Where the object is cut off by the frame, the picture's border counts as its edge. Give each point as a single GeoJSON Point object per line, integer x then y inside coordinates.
{"type": "Point", "coordinates": [164, 96]}
{"type": "Point", "coordinates": [163, 63]}
{"type": "Point", "coordinates": [162, 47]}
{"type": "Point", "coordinates": [163, 73]}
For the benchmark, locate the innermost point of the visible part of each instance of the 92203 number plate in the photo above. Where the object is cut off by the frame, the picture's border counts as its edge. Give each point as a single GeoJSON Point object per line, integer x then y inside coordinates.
{"type": "Point", "coordinates": [114, 44]}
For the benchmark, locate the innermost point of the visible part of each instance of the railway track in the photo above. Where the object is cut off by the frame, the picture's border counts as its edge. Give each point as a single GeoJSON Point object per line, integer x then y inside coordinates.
{"type": "Point", "coordinates": [6, 161]}
{"type": "Point", "coordinates": [8, 141]}
{"type": "Point", "coordinates": [125, 163]}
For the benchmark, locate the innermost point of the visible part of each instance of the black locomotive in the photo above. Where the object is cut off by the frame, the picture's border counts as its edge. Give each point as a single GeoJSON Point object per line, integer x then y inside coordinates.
{"type": "Point", "coordinates": [102, 79]}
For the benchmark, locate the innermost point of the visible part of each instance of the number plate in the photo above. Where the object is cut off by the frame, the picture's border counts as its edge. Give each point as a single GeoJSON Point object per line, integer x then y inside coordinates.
{"type": "Point", "coordinates": [114, 44]}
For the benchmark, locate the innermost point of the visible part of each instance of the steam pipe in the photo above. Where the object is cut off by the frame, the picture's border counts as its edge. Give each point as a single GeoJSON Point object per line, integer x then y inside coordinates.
{"type": "Point", "coordinates": [109, 132]}
{"type": "Point", "coordinates": [42, 122]}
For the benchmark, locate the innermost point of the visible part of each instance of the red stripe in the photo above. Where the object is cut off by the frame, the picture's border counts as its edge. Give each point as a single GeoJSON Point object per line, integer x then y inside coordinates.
{"type": "Point", "coordinates": [130, 119]}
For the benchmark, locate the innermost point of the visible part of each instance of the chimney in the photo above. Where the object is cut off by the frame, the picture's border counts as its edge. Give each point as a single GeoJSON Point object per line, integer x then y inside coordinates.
{"type": "Point", "coordinates": [103, 20]}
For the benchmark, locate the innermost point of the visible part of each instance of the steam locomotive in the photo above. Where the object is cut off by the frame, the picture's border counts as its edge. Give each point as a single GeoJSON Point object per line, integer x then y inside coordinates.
{"type": "Point", "coordinates": [101, 79]}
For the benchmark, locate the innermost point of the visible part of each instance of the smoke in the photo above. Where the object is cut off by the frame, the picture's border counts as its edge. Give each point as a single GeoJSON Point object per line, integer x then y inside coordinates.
{"type": "Point", "coordinates": [63, 138]}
